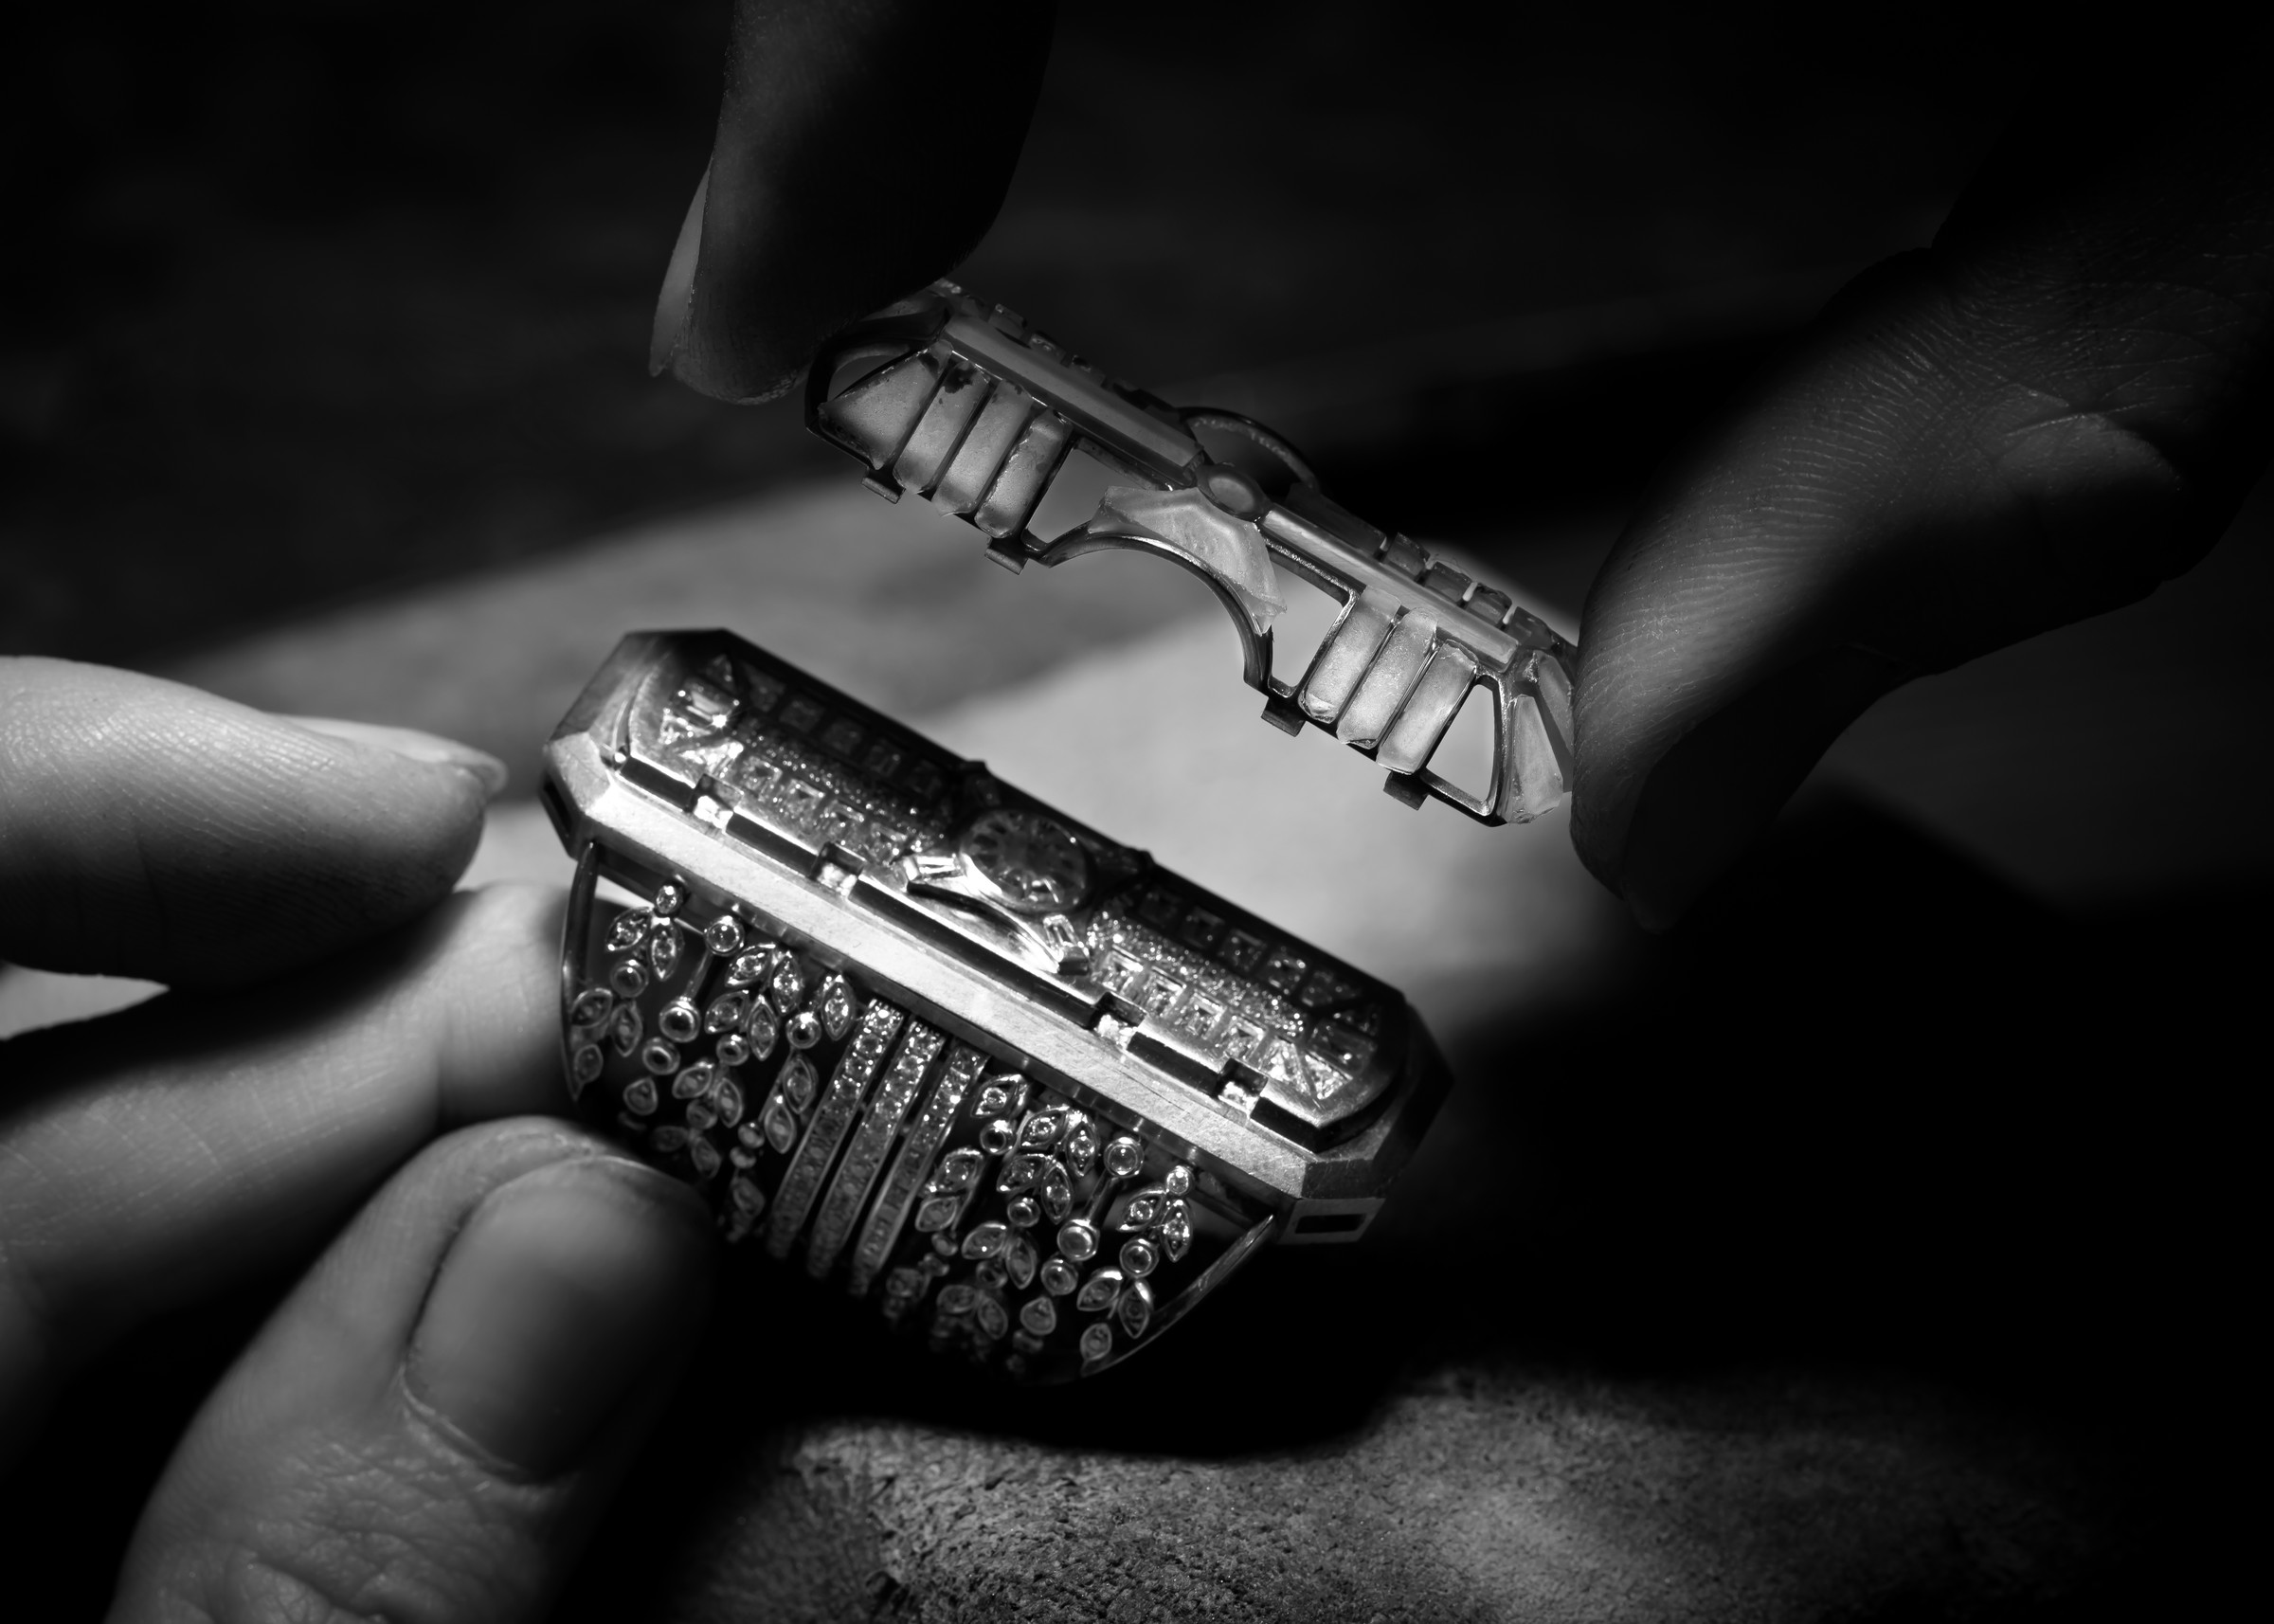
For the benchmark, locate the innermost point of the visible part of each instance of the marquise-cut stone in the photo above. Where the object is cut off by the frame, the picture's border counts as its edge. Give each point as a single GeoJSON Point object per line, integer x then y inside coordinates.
{"type": "Point", "coordinates": [639, 1099]}
{"type": "Point", "coordinates": [704, 1155]}
{"type": "Point", "coordinates": [788, 988]}
{"type": "Point", "coordinates": [938, 1212]}
{"type": "Point", "coordinates": [749, 968]}
{"type": "Point", "coordinates": [781, 1127]}
{"type": "Point", "coordinates": [747, 1196]}
{"type": "Point", "coordinates": [1099, 1291]}
{"type": "Point", "coordinates": [625, 934]}
{"type": "Point", "coordinates": [837, 1006]}
{"type": "Point", "coordinates": [694, 1081]}
{"type": "Point", "coordinates": [626, 1029]}
{"type": "Point", "coordinates": [1140, 1211]}
{"type": "Point", "coordinates": [1058, 1191]}
{"type": "Point", "coordinates": [728, 1100]}
{"type": "Point", "coordinates": [762, 1029]}
{"type": "Point", "coordinates": [663, 952]}
{"type": "Point", "coordinates": [1040, 1316]}
{"type": "Point", "coordinates": [727, 1012]}
{"type": "Point", "coordinates": [1176, 1231]}
{"type": "Point", "coordinates": [1042, 1129]}
{"type": "Point", "coordinates": [1098, 1341]}
{"type": "Point", "coordinates": [1019, 1258]}
{"type": "Point", "coordinates": [587, 1066]}
{"type": "Point", "coordinates": [1020, 1172]}
{"type": "Point", "coordinates": [992, 1318]}
{"type": "Point", "coordinates": [1081, 1145]}
{"type": "Point", "coordinates": [1135, 1308]}
{"type": "Point", "coordinates": [592, 1006]}
{"type": "Point", "coordinates": [958, 1170]}
{"type": "Point", "coordinates": [800, 1083]}
{"type": "Point", "coordinates": [957, 1299]}
{"type": "Point", "coordinates": [992, 1100]}
{"type": "Point", "coordinates": [986, 1241]}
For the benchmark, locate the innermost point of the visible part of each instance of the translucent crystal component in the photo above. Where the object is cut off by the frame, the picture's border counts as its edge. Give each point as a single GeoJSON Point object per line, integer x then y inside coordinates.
{"type": "Point", "coordinates": [1078, 1240]}
{"type": "Point", "coordinates": [781, 1127]}
{"type": "Point", "coordinates": [803, 1029]}
{"type": "Point", "coordinates": [1040, 1316]}
{"type": "Point", "coordinates": [1135, 1308]}
{"type": "Point", "coordinates": [1099, 1291]}
{"type": "Point", "coordinates": [695, 1081]}
{"type": "Point", "coordinates": [1137, 1258]}
{"type": "Point", "coordinates": [800, 1083]}
{"type": "Point", "coordinates": [663, 953]}
{"type": "Point", "coordinates": [724, 937]}
{"type": "Point", "coordinates": [748, 969]}
{"type": "Point", "coordinates": [592, 1006]}
{"type": "Point", "coordinates": [639, 1099]}
{"type": "Point", "coordinates": [836, 1008]}
{"type": "Point", "coordinates": [1123, 1157]}
{"type": "Point", "coordinates": [679, 1022]}
{"type": "Point", "coordinates": [958, 1170]}
{"type": "Point", "coordinates": [986, 1241]}
{"type": "Point", "coordinates": [1059, 1277]}
{"type": "Point", "coordinates": [659, 1057]}
{"type": "Point", "coordinates": [1098, 1341]}
{"type": "Point", "coordinates": [937, 1213]}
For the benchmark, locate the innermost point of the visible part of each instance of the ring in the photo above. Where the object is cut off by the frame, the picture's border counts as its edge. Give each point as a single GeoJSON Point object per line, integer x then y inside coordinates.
{"type": "Point", "coordinates": [913, 1031]}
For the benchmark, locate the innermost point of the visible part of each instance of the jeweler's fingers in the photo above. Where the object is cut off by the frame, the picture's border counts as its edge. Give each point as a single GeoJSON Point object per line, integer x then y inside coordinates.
{"type": "Point", "coordinates": [2055, 407]}
{"type": "Point", "coordinates": [148, 829]}
{"type": "Point", "coordinates": [863, 148]}
{"type": "Point", "coordinates": [426, 1430]}
{"type": "Point", "coordinates": [154, 1156]}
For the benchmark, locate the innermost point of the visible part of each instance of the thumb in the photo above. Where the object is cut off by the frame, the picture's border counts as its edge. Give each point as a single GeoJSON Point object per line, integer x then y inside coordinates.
{"type": "Point", "coordinates": [2057, 406]}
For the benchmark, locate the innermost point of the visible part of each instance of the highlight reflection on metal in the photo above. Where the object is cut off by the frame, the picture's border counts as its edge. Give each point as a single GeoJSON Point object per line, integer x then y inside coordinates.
{"type": "Point", "coordinates": [962, 403]}
{"type": "Point", "coordinates": [1032, 1093]}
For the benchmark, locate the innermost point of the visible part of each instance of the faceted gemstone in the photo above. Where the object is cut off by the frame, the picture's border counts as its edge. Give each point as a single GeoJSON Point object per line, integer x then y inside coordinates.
{"type": "Point", "coordinates": [938, 1212]}
{"type": "Point", "coordinates": [586, 1064]}
{"type": "Point", "coordinates": [1176, 1231]}
{"type": "Point", "coordinates": [1140, 1211]}
{"type": "Point", "coordinates": [747, 1196]}
{"type": "Point", "coordinates": [728, 1100]}
{"type": "Point", "coordinates": [1137, 1258]}
{"type": "Point", "coordinates": [1019, 1258]}
{"type": "Point", "coordinates": [986, 1241]}
{"type": "Point", "coordinates": [957, 1299]}
{"type": "Point", "coordinates": [1098, 1341]}
{"type": "Point", "coordinates": [1179, 1179]}
{"type": "Point", "coordinates": [1022, 1212]}
{"type": "Point", "coordinates": [625, 934]}
{"type": "Point", "coordinates": [1081, 1145]}
{"type": "Point", "coordinates": [904, 1283]}
{"type": "Point", "coordinates": [1135, 1308]}
{"type": "Point", "coordinates": [659, 1057]}
{"type": "Point", "coordinates": [727, 1012]}
{"type": "Point", "coordinates": [992, 1319]}
{"type": "Point", "coordinates": [996, 1137]}
{"type": "Point", "coordinates": [704, 1155]}
{"type": "Point", "coordinates": [781, 1127]}
{"type": "Point", "coordinates": [733, 1049]}
{"type": "Point", "coordinates": [763, 1029]}
{"type": "Point", "coordinates": [1123, 1157]}
{"type": "Point", "coordinates": [1078, 1240]}
{"type": "Point", "coordinates": [701, 1115]}
{"type": "Point", "coordinates": [1039, 1316]}
{"type": "Point", "coordinates": [1283, 970]}
{"type": "Point", "coordinates": [942, 1246]}
{"type": "Point", "coordinates": [1058, 1191]}
{"type": "Point", "coordinates": [748, 969]}
{"type": "Point", "coordinates": [629, 977]}
{"type": "Point", "coordinates": [640, 1099]}
{"type": "Point", "coordinates": [695, 1081]}
{"type": "Point", "coordinates": [958, 1170]}
{"type": "Point", "coordinates": [666, 1140]}
{"type": "Point", "coordinates": [1099, 1291]}
{"type": "Point", "coordinates": [991, 1275]}
{"type": "Point", "coordinates": [592, 1006]}
{"type": "Point", "coordinates": [1242, 1038]}
{"type": "Point", "coordinates": [625, 1031]}
{"type": "Point", "coordinates": [679, 1022]}
{"type": "Point", "coordinates": [1058, 1276]}
{"type": "Point", "coordinates": [1042, 1129]}
{"type": "Point", "coordinates": [663, 953]}
{"type": "Point", "coordinates": [1020, 1172]}
{"type": "Point", "coordinates": [724, 937]}
{"type": "Point", "coordinates": [803, 1029]}
{"type": "Point", "coordinates": [1326, 1080]}
{"type": "Point", "coordinates": [799, 1082]}
{"type": "Point", "coordinates": [993, 1100]}
{"type": "Point", "coordinates": [669, 901]}
{"type": "Point", "coordinates": [787, 987]}
{"type": "Point", "coordinates": [1278, 1061]}
{"type": "Point", "coordinates": [835, 1004]}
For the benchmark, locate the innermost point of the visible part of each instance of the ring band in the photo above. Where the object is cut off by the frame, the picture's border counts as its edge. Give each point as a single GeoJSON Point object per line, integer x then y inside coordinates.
{"type": "Point", "coordinates": [911, 1029]}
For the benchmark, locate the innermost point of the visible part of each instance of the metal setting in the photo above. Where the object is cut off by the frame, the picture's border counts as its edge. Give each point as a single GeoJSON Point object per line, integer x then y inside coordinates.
{"type": "Point", "coordinates": [962, 403]}
{"type": "Point", "coordinates": [915, 1031]}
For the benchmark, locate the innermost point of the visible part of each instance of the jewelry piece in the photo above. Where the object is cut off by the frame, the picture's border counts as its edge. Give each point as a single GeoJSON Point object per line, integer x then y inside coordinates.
{"type": "Point", "coordinates": [962, 403]}
{"type": "Point", "coordinates": [911, 1029]}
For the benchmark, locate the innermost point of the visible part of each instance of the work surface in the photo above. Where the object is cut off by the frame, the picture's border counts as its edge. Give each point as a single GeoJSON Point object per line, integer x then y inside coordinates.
{"type": "Point", "coordinates": [1868, 1250]}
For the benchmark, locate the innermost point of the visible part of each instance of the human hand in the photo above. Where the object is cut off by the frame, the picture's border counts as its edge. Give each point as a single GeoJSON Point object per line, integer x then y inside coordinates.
{"type": "Point", "coordinates": [432, 1417]}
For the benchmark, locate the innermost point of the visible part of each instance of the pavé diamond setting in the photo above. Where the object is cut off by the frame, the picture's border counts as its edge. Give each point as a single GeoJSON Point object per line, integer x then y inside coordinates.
{"type": "Point", "coordinates": [908, 1029]}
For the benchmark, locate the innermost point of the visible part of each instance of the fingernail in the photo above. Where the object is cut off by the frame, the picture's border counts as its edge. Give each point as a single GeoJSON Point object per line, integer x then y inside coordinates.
{"type": "Point", "coordinates": [674, 305]}
{"type": "Point", "coordinates": [1720, 787]}
{"type": "Point", "coordinates": [413, 745]}
{"type": "Point", "coordinates": [567, 1290]}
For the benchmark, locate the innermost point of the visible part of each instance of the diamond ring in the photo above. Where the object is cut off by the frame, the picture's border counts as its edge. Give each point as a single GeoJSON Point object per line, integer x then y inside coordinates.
{"type": "Point", "coordinates": [910, 1030]}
